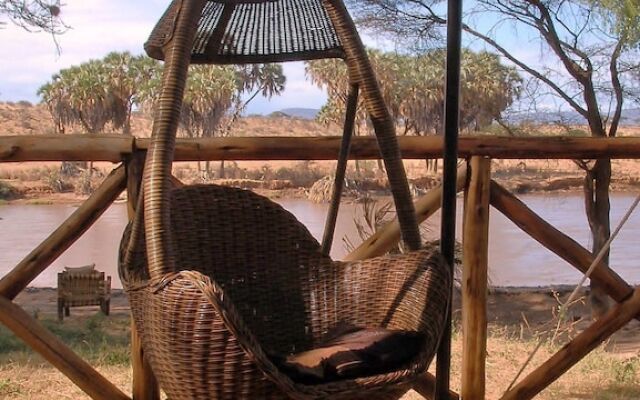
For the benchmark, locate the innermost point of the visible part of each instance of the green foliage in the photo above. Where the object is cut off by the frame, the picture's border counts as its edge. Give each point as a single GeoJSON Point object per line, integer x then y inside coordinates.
{"type": "Point", "coordinates": [622, 17]}
{"type": "Point", "coordinates": [209, 94]}
{"type": "Point", "coordinates": [626, 372]}
{"type": "Point", "coordinates": [104, 92]}
{"type": "Point", "coordinates": [98, 92]}
{"type": "Point", "coordinates": [8, 192]}
{"type": "Point", "coordinates": [413, 88]}
{"type": "Point", "coordinates": [9, 387]}
{"type": "Point", "coordinates": [99, 339]}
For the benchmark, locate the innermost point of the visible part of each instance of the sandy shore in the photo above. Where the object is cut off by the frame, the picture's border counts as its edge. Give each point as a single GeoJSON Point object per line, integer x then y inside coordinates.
{"type": "Point", "coordinates": [522, 312]}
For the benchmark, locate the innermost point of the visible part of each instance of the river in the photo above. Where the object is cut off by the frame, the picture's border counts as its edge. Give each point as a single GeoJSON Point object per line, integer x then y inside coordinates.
{"type": "Point", "coordinates": [514, 258]}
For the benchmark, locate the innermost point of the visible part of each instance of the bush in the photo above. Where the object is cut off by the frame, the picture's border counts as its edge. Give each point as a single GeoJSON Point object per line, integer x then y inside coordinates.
{"type": "Point", "coordinates": [57, 182]}
{"type": "Point", "coordinates": [8, 192]}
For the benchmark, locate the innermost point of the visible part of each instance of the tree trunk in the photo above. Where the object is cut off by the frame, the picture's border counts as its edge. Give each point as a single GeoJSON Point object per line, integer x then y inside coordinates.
{"type": "Point", "coordinates": [221, 173]}
{"type": "Point", "coordinates": [381, 170]}
{"type": "Point", "coordinates": [126, 129]}
{"type": "Point", "coordinates": [207, 170]}
{"type": "Point", "coordinates": [431, 166]}
{"type": "Point", "coordinates": [597, 206]}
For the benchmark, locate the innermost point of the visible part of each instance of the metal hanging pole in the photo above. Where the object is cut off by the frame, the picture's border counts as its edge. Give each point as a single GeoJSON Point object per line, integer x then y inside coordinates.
{"type": "Point", "coordinates": [341, 169]}
{"type": "Point", "coordinates": [448, 226]}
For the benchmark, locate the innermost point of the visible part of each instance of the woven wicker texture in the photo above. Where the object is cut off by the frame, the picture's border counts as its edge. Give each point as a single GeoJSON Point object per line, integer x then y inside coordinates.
{"type": "Point", "coordinates": [77, 288]}
{"type": "Point", "coordinates": [254, 31]}
{"type": "Point", "coordinates": [252, 282]}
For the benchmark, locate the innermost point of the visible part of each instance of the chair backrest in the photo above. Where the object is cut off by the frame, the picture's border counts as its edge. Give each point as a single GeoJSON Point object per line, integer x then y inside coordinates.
{"type": "Point", "coordinates": [82, 287]}
{"type": "Point", "coordinates": [256, 250]}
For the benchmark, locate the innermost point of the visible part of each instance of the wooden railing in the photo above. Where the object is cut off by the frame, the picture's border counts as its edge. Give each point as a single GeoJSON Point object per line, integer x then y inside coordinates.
{"type": "Point", "coordinates": [116, 148]}
{"type": "Point", "coordinates": [474, 179]}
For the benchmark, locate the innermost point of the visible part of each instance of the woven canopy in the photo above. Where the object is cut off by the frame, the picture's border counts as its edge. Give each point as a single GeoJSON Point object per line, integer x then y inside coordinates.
{"type": "Point", "coordinates": [254, 31]}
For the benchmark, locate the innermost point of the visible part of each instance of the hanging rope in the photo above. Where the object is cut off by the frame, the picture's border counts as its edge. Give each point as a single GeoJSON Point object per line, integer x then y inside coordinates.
{"type": "Point", "coordinates": [563, 308]}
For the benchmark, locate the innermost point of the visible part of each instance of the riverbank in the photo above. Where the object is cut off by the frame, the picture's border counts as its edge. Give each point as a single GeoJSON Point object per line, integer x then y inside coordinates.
{"type": "Point", "coordinates": [517, 318]}
{"type": "Point", "coordinates": [44, 183]}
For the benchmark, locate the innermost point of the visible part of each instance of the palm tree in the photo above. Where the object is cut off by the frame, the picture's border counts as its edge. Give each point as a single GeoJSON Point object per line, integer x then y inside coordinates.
{"type": "Point", "coordinates": [127, 76]}
{"type": "Point", "coordinates": [55, 95]}
{"type": "Point", "coordinates": [265, 79]}
{"type": "Point", "coordinates": [413, 88]}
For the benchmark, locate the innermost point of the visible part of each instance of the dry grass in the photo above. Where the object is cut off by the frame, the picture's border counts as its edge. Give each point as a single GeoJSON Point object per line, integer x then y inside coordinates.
{"type": "Point", "coordinates": [104, 342]}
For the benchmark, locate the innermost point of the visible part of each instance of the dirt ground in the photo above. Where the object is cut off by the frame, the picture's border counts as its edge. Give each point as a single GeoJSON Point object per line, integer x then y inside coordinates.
{"type": "Point", "coordinates": [517, 318]}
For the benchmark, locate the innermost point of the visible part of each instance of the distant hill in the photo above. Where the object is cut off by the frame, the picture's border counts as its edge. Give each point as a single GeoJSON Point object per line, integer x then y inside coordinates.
{"type": "Point", "coordinates": [630, 117]}
{"type": "Point", "coordinates": [304, 113]}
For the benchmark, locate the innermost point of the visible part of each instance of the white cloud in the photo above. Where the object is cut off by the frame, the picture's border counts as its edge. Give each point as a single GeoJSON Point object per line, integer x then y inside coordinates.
{"type": "Point", "coordinates": [101, 26]}
{"type": "Point", "coordinates": [97, 27]}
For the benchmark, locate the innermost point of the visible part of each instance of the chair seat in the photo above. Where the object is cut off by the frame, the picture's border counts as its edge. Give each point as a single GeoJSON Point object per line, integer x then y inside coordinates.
{"type": "Point", "coordinates": [350, 352]}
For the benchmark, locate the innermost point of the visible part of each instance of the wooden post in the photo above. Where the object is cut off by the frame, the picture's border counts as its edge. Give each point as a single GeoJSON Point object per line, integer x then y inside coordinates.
{"type": "Point", "coordinates": [575, 350]}
{"type": "Point", "coordinates": [389, 235]}
{"type": "Point", "coordinates": [63, 237]}
{"type": "Point", "coordinates": [559, 243]}
{"type": "Point", "coordinates": [57, 353]}
{"type": "Point", "coordinates": [145, 385]}
{"type": "Point", "coordinates": [475, 239]}
{"type": "Point", "coordinates": [341, 169]}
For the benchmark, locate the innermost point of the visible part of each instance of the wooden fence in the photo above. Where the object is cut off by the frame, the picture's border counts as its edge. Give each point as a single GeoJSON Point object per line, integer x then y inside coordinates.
{"type": "Point", "coordinates": [474, 178]}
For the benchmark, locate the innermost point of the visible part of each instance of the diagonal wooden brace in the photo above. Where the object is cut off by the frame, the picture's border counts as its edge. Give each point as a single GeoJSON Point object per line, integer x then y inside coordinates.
{"type": "Point", "coordinates": [559, 243]}
{"type": "Point", "coordinates": [576, 349]}
{"type": "Point", "coordinates": [57, 353]}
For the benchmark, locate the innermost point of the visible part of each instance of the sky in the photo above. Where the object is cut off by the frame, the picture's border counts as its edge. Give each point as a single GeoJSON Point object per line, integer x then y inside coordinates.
{"type": "Point", "coordinates": [97, 28]}
{"type": "Point", "coordinates": [101, 26]}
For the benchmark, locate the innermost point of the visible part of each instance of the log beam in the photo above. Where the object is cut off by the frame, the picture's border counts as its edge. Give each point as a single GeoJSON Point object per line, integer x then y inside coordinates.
{"type": "Point", "coordinates": [57, 353]}
{"type": "Point", "coordinates": [559, 243]}
{"type": "Point", "coordinates": [65, 148]}
{"type": "Point", "coordinates": [64, 236]}
{"type": "Point", "coordinates": [115, 148]}
{"type": "Point", "coordinates": [475, 242]}
{"type": "Point", "coordinates": [575, 350]}
{"type": "Point", "coordinates": [389, 235]}
{"type": "Point", "coordinates": [425, 385]}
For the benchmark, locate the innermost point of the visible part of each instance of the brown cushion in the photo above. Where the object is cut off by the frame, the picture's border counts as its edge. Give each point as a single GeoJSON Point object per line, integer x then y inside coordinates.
{"type": "Point", "coordinates": [85, 269]}
{"type": "Point", "coordinates": [348, 352]}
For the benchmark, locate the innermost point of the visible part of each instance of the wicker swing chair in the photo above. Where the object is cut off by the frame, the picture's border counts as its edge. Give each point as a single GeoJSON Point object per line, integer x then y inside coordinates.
{"type": "Point", "coordinates": [221, 278]}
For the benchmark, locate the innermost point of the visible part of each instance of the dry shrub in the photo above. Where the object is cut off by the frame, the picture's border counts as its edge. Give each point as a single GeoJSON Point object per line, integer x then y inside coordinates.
{"type": "Point", "coordinates": [58, 182]}
{"type": "Point", "coordinates": [301, 174]}
{"type": "Point", "coordinates": [322, 190]}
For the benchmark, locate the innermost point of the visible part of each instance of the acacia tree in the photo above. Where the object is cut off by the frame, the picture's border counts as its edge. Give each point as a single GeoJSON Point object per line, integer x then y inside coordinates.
{"type": "Point", "coordinates": [590, 48]}
{"type": "Point", "coordinates": [34, 14]}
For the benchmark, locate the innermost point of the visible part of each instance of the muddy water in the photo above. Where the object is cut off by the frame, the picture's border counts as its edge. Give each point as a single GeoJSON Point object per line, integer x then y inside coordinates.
{"type": "Point", "coordinates": [515, 259]}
